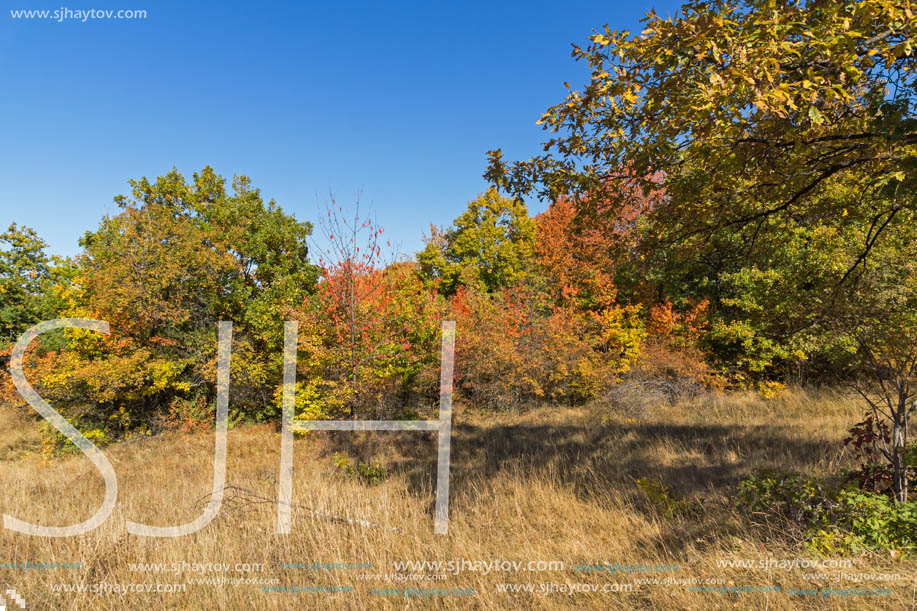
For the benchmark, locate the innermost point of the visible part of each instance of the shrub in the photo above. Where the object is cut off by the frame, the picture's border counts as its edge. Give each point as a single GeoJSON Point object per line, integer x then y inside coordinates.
{"type": "Point", "coordinates": [54, 443]}
{"type": "Point", "coordinates": [634, 398]}
{"type": "Point", "coordinates": [867, 522]}
{"type": "Point", "coordinates": [667, 502]}
{"type": "Point", "coordinates": [879, 522]}
{"type": "Point", "coordinates": [663, 374]}
{"type": "Point", "coordinates": [876, 474]}
{"type": "Point", "coordinates": [371, 474]}
{"type": "Point", "coordinates": [845, 521]}
{"type": "Point", "coordinates": [515, 349]}
{"type": "Point", "coordinates": [791, 497]}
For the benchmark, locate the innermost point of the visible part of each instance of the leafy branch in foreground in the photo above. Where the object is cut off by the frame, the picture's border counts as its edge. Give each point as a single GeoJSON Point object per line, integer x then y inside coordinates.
{"type": "Point", "coordinates": [748, 107]}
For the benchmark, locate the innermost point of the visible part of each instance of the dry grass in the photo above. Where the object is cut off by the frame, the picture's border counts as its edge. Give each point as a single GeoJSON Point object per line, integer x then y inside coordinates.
{"type": "Point", "coordinates": [545, 485]}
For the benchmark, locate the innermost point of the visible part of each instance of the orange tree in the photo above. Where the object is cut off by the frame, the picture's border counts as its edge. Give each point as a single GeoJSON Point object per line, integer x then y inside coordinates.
{"type": "Point", "coordinates": [388, 366]}
{"type": "Point", "coordinates": [370, 328]}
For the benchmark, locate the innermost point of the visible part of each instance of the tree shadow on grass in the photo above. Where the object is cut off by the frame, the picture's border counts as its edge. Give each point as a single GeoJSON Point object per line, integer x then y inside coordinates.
{"type": "Point", "coordinates": [702, 462]}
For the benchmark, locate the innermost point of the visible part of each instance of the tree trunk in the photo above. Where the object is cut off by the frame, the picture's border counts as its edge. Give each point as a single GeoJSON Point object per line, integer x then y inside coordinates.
{"type": "Point", "coordinates": [899, 445]}
{"type": "Point", "coordinates": [353, 348]}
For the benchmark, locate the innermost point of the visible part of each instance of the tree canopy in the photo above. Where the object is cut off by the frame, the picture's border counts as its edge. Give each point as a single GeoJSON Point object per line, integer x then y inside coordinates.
{"type": "Point", "coordinates": [24, 273]}
{"type": "Point", "coordinates": [490, 244]}
{"type": "Point", "coordinates": [177, 258]}
{"type": "Point", "coordinates": [751, 109]}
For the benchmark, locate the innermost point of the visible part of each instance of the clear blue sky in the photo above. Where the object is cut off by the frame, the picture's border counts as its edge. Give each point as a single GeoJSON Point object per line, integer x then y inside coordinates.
{"type": "Point", "coordinates": [399, 99]}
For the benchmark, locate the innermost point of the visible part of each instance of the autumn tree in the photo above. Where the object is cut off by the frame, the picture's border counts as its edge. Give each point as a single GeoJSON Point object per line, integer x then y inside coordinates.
{"type": "Point", "coordinates": [785, 132]}
{"type": "Point", "coordinates": [749, 107]}
{"type": "Point", "coordinates": [577, 265]}
{"type": "Point", "coordinates": [177, 258]}
{"type": "Point", "coordinates": [393, 357]}
{"type": "Point", "coordinates": [756, 113]}
{"type": "Point", "coordinates": [875, 318]}
{"type": "Point", "coordinates": [584, 259]}
{"type": "Point", "coordinates": [373, 322]}
{"type": "Point", "coordinates": [350, 277]}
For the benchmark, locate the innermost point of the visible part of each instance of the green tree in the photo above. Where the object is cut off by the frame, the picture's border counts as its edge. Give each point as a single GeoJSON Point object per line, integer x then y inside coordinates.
{"type": "Point", "coordinates": [26, 278]}
{"type": "Point", "coordinates": [491, 244]}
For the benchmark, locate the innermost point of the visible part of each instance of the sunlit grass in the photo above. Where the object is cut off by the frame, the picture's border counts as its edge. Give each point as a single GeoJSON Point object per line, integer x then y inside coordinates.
{"type": "Point", "coordinates": [548, 484]}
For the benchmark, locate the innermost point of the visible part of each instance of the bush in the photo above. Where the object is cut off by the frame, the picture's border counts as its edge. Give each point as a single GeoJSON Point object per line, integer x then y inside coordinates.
{"type": "Point", "coordinates": [879, 522]}
{"type": "Point", "coordinates": [844, 521]}
{"type": "Point", "coordinates": [663, 375]}
{"type": "Point", "coordinates": [791, 497]}
{"type": "Point", "coordinates": [54, 443]}
{"type": "Point", "coordinates": [371, 474]}
{"type": "Point", "coordinates": [667, 502]}
{"type": "Point", "coordinates": [875, 473]}
{"type": "Point", "coordinates": [513, 349]}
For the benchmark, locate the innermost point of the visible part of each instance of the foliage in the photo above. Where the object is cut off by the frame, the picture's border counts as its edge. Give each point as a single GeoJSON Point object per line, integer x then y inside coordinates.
{"type": "Point", "coordinates": [575, 264]}
{"type": "Point", "coordinates": [830, 522]}
{"type": "Point", "coordinates": [371, 474]}
{"type": "Point", "coordinates": [781, 96]}
{"type": "Point", "coordinates": [876, 474]}
{"type": "Point", "coordinates": [351, 288]}
{"type": "Point", "coordinates": [875, 522]}
{"type": "Point", "coordinates": [666, 501]}
{"type": "Point", "coordinates": [376, 357]}
{"type": "Point", "coordinates": [669, 365]}
{"type": "Point", "coordinates": [27, 277]}
{"type": "Point", "coordinates": [781, 138]}
{"type": "Point", "coordinates": [877, 315]}
{"type": "Point", "coordinates": [791, 497]}
{"type": "Point", "coordinates": [371, 327]}
{"type": "Point", "coordinates": [548, 327]}
{"type": "Point", "coordinates": [177, 258]}
{"type": "Point", "coordinates": [54, 443]}
{"type": "Point", "coordinates": [515, 350]}
{"type": "Point", "coordinates": [489, 245]}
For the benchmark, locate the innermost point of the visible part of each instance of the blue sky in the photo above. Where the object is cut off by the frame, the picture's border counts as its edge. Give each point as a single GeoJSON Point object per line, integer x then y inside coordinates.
{"type": "Point", "coordinates": [400, 100]}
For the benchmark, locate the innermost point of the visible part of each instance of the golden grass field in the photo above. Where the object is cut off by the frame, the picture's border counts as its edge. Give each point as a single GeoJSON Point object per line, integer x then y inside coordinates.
{"type": "Point", "coordinates": [550, 484]}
